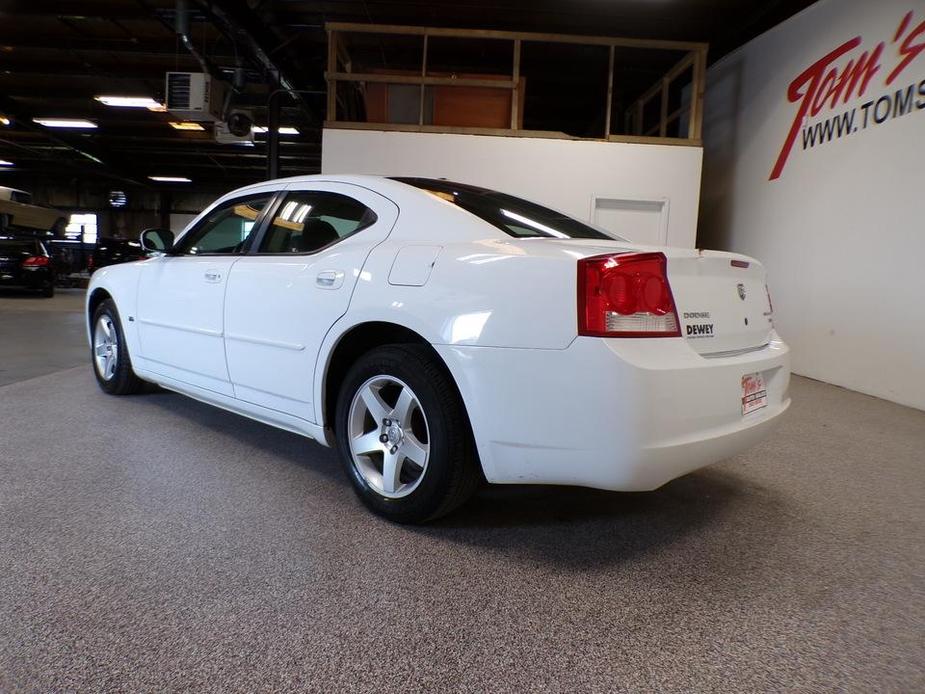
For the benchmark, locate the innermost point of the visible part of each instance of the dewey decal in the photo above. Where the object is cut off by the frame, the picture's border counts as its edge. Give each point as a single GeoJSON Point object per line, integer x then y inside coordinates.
{"type": "Point", "coordinates": [700, 330]}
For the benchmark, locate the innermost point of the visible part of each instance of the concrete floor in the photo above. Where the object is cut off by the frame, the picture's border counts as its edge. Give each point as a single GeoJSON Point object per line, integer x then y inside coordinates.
{"type": "Point", "coordinates": [153, 543]}
{"type": "Point", "coordinates": [40, 336]}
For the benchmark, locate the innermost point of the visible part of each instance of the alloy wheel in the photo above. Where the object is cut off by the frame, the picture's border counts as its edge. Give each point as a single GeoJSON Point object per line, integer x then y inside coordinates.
{"type": "Point", "coordinates": [388, 436]}
{"type": "Point", "coordinates": [105, 347]}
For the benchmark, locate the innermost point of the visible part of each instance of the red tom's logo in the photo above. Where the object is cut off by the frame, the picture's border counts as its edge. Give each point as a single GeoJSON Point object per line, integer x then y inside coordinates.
{"type": "Point", "coordinates": [844, 74]}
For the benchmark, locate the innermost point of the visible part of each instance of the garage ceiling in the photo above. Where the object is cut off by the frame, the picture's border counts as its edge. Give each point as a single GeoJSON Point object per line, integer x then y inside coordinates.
{"type": "Point", "coordinates": [56, 55]}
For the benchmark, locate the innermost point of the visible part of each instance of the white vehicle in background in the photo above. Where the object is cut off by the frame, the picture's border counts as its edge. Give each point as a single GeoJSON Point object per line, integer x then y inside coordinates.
{"type": "Point", "coordinates": [437, 332]}
{"type": "Point", "coordinates": [18, 212]}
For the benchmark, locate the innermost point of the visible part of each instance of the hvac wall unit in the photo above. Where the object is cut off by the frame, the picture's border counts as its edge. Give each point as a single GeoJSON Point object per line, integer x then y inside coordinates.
{"type": "Point", "coordinates": [194, 96]}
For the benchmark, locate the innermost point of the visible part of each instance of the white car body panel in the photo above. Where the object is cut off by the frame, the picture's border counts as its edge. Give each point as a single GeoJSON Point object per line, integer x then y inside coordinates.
{"type": "Point", "coordinates": [546, 406]}
{"type": "Point", "coordinates": [271, 356]}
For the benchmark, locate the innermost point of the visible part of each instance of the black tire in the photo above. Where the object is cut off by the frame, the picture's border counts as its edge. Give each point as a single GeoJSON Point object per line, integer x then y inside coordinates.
{"type": "Point", "coordinates": [48, 290]}
{"type": "Point", "coordinates": [123, 380]}
{"type": "Point", "coordinates": [452, 471]}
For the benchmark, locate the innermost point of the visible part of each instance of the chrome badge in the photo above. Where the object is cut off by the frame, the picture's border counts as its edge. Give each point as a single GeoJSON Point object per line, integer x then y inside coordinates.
{"type": "Point", "coordinates": [741, 288]}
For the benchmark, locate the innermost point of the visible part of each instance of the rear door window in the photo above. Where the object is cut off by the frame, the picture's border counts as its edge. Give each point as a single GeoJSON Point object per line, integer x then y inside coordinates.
{"type": "Point", "coordinates": [307, 221]}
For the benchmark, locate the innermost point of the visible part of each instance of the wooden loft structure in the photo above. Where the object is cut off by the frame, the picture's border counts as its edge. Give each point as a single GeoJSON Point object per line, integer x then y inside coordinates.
{"type": "Point", "coordinates": [670, 111]}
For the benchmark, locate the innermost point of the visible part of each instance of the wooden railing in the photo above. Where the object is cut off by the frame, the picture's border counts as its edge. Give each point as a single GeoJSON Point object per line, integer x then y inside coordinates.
{"type": "Point", "coordinates": [693, 62]}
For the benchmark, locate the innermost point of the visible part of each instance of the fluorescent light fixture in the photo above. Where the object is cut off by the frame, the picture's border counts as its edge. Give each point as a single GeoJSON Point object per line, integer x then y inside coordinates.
{"type": "Point", "coordinates": [185, 125]}
{"type": "Point", "coordinates": [285, 130]}
{"type": "Point", "coordinates": [65, 123]}
{"type": "Point", "coordinates": [4, 120]}
{"type": "Point", "coordinates": [170, 179]}
{"type": "Point", "coordinates": [129, 101]}
{"type": "Point", "coordinates": [4, 162]}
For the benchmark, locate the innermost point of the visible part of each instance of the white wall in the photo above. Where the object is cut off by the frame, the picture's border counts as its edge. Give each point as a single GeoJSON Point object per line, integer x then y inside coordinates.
{"type": "Point", "coordinates": [563, 174]}
{"type": "Point", "coordinates": [841, 229]}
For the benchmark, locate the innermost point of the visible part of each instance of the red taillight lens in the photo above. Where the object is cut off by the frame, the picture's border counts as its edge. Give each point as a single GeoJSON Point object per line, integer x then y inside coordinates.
{"type": "Point", "coordinates": [36, 261]}
{"type": "Point", "coordinates": [626, 295]}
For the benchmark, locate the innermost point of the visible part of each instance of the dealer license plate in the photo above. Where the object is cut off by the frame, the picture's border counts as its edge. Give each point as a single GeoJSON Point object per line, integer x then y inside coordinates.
{"type": "Point", "coordinates": [754, 393]}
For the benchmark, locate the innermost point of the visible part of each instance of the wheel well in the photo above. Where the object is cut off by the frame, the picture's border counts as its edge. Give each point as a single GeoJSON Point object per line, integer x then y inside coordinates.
{"type": "Point", "coordinates": [96, 298]}
{"type": "Point", "coordinates": [357, 341]}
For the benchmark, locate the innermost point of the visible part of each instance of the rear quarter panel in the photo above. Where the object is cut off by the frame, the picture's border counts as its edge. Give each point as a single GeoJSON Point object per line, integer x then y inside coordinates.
{"type": "Point", "coordinates": [489, 292]}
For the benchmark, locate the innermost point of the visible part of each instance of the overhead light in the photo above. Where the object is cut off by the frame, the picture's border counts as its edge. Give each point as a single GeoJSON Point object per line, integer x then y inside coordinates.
{"type": "Point", "coordinates": [185, 125]}
{"type": "Point", "coordinates": [170, 179]}
{"type": "Point", "coordinates": [4, 162]}
{"type": "Point", "coordinates": [64, 123]}
{"type": "Point", "coordinates": [285, 130]}
{"type": "Point", "coordinates": [129, 101]}
{"type": "Point", "coordinates": [4, 120]}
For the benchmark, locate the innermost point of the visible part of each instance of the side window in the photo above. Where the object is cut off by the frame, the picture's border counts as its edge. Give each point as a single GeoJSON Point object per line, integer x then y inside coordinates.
{"type": "Point", "coordinates": [227, 227]}
{"type": "Point", "coordinates": [307, 221]}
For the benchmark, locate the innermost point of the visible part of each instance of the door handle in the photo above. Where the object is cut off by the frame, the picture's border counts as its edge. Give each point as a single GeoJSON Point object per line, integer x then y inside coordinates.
{"type": "Point", "coordinates": [330, 279]}
{"type": "Point", "coordinates": [213, 276]}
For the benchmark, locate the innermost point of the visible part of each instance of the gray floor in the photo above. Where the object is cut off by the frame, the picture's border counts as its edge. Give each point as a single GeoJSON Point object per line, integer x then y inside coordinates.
{"type": "Point", "coordinates": [38, 335]}
{"type": "Point", "coordinates": [153, 543]}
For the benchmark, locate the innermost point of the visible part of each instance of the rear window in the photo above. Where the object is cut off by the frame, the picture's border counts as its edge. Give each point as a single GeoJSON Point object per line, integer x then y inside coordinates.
{"type": "Point", "coordinates": [514, 216]}
{"type": "Point", "coordinates": [21, 196]}
{"type": "Point", "coordinates": [16, 247]}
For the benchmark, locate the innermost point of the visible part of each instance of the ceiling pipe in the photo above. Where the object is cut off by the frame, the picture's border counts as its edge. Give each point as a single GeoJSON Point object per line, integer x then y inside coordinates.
{"type": "Point", "coordinates": [182, 27]}
{"type": "Point", "coordinates": [232, 19]}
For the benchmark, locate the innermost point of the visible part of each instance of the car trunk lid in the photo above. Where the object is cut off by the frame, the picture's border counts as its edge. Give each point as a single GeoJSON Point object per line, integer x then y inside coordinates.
{"type": "Point", "coordinates": [722, 301]}
{"type": "Point", "coordinates": [721, 298]}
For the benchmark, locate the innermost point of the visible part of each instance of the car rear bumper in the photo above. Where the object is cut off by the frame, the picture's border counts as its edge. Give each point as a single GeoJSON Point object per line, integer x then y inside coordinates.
{"type": "Point", "coordinates": [628, 414]}
{"type": "Point", "coordinates": [24, 279]}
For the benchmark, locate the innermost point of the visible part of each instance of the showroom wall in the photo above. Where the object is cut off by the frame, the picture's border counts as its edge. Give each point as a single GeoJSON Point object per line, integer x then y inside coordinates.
{"type": "Point", "coordinates": [814, 162]}
{"type": "Point", "coordinates": [648, 193]}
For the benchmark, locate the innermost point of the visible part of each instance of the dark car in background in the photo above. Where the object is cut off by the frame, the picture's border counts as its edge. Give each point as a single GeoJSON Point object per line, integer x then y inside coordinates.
{"type": "Point", "coordinates": [111, 251]}
{"type": "Point", "coordinates": [26, 264]}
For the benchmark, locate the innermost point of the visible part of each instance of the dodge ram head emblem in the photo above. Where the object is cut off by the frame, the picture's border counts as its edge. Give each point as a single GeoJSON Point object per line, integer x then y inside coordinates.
{"type": "Point", "coordinates": [741, 288]}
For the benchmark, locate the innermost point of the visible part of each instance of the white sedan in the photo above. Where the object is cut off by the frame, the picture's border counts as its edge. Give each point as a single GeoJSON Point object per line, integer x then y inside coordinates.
{"type": "Point", "coordinates": [438, 333]}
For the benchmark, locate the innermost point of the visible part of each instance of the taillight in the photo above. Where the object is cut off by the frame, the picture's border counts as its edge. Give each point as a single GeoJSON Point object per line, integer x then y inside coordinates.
{"type": "Point", "coordinates": [626, 295]}
{"type": "Point", "coordinates": [36, 261]}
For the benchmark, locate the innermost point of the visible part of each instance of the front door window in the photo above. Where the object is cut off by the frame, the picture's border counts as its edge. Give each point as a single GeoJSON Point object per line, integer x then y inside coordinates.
{"type": "Point", "coordinates": [226, 230]}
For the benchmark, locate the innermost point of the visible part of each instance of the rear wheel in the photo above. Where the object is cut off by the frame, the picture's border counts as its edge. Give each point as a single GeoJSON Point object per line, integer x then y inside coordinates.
{"type": "Point", "coordinates": [48, 290]}
{"type": "Point", "coordinates": [111, 363]}
{"type": "Point", "coordinates": [404, 436]}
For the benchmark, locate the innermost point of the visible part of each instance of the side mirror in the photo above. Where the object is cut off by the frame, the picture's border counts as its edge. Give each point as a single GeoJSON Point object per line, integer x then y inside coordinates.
{"type": "Point", "coordinates": [157, 240]}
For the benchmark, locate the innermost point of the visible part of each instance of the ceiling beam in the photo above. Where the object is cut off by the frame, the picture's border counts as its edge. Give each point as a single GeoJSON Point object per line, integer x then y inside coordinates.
{"type": "Point", "coordinates": [133, 47]}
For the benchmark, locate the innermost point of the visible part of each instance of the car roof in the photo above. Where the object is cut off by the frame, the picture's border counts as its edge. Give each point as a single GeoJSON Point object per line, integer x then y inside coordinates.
{"type": "Point", "coordinates": [385, 185]}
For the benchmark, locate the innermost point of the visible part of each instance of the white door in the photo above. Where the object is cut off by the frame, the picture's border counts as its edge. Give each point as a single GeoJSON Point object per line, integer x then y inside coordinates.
{"type": "Point", "coordinates": [635, 219]}
{"type": "Point", "coordinates": [292, 286]}
{"type": "Point", "coordinates": [181, 297]}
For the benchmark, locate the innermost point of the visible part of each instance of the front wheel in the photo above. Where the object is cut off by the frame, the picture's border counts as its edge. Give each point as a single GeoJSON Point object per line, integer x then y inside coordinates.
{"type": "Point", "coordinates": [111, 363]}
{"type": "Point", "coordinates": [403, 435]}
